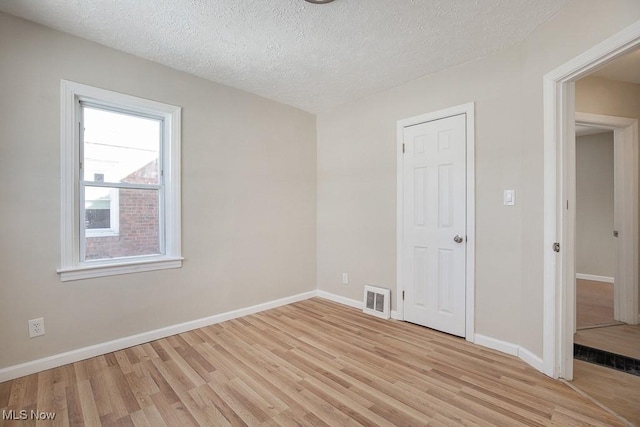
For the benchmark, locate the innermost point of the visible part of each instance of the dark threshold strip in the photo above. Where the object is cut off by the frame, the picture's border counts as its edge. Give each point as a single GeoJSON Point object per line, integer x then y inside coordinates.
{"type": "Point", "coordinates": [604, 358]}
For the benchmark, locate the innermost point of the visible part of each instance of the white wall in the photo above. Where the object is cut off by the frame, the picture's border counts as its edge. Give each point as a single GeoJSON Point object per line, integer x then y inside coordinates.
{"type": "Point", "coordinates": [248, 199]}
{"type": "Point", "coordinates": [357, 171]}
{"type": "Point", "coordinates": [595, 244]}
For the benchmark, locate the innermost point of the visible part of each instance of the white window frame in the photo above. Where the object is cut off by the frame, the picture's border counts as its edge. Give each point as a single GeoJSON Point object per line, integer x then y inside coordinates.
{"type": "Point", "coordinates": [72, 267]}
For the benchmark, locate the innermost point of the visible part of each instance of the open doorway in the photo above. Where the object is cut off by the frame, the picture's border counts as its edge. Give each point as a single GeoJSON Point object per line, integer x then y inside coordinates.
{"type": "Point", "coordinates": [607, 338]}
{"type": "Point", "coordinates": [564, 101]}
{"type": "Point", "coordinates": [604, 266]}
{"type": "Point", "coordinates": [606, 344]}
{"type": "Point", "coordinates": [596, 238]}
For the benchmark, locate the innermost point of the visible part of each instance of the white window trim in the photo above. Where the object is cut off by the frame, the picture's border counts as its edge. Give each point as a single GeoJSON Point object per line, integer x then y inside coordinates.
{"type": "Point", "coordinates": [71, 268]}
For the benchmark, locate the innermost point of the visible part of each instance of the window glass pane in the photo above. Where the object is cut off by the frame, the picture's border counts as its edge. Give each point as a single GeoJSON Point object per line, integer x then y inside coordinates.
{"type": "Point", "coordinates": [120, 147]}
{"type": "Point", "coordinates": [97, 207]}
{"type": "Point", "coordinates": [137, 215]}
{"type": "Point", "coordinates": [98, 218]}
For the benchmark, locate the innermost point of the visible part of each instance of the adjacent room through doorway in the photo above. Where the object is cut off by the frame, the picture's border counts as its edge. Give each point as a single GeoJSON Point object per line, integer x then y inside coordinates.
{"type": "Point", "coordinates": [606, 346]}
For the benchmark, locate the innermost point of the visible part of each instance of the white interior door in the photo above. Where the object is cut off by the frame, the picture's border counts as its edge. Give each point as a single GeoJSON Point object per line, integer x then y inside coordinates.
{"type": "Point", "coordinates": [434, 221]}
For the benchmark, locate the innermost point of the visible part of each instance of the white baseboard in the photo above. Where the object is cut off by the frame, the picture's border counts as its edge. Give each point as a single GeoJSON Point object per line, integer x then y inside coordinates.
{"type": "Point", "coordinates": [531, 359]}
{"type": "Point", "coordinates": [349, 301]}
{"type": "Point", "coordinates": [483, 340]}
{"type": "Point", "coordinates": [495, 344]}
{"type": "Point", "coordinates": [72, 356]}
{"type": "Point", "coordinates": [340, 299]}
{"type": "Point", "coordinates": [512, 349]}
{"type": "Point", "coordinates": [595, 278]}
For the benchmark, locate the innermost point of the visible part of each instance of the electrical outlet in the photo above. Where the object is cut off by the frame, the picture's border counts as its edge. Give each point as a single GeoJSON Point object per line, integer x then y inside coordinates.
{"type": "Point", "coordinates": [36, 327]}
{"type": "Point", "coordinates": [345, 278]}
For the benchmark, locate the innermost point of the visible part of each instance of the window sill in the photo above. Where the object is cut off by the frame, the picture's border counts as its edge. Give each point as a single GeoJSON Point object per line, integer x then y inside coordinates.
{"type": "Point", "coordinates": [111, 268]}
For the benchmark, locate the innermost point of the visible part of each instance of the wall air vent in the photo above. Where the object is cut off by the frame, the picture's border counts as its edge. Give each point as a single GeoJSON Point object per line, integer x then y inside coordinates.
{"type": "Point", "coordinates": [377, 301]}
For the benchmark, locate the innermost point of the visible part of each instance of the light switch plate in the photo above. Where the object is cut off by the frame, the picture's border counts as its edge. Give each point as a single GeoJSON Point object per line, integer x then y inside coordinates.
{"type": "Point", "coordinates": [509, 197]}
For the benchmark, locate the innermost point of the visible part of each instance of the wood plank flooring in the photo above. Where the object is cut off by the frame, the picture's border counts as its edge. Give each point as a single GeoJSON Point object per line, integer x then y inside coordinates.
{"type": "Point", "coordinates": [594, 304]}
{"type": "Point", "coordinates": [618, 391]}
{"type": "Point", "coordinates": [619, 339]}
{"type": "Point", "coordinates": [313, 363]}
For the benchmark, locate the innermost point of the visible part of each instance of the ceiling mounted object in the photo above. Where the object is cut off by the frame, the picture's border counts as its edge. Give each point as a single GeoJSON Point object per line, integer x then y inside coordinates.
{"type": "Point", "coordinates": [319, 1]}
{"type": "Point", "coordinates": [313, 58]}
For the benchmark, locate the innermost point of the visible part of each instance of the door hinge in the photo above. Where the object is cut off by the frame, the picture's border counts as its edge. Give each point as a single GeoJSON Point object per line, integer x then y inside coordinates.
{"type": "Point", "coordinates": [403, 148]}
{"type": "Point", "coordinates": [402, 295]}
{"type": "Point", "coordinates": [556, 247]}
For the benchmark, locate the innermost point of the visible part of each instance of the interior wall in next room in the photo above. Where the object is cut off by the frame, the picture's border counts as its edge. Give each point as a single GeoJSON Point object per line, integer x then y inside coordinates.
{"type": "Point", "coordinates": [595, 244]}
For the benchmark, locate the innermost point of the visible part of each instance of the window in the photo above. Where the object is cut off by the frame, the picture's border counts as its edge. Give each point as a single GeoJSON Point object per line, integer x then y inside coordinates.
{"type": "Point", "coordinates": [120, 183]}
{"type": "Point", "coordinates": [102, 213]}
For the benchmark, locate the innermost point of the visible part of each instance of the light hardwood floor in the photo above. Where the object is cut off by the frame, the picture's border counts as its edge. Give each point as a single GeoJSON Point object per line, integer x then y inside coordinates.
{"type": "Point", "coordinates": [594, 307]}
{"type": "Point", "coordinates": [617, 390]}
{"type": "Point", "coordinates": [594, 304]}
{"type": "Point", "coordinates": [310, 363]}
{"type": "Point", "coordinates": [618, 339]}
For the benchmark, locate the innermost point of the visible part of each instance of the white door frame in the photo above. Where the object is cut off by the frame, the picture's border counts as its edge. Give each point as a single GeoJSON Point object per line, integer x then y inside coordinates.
{"type": "Point", "coordinates": [625, 143]}
{"type": "Point", "coordinates": [559, 189]}
{"type": "Point", "coordinates": [469, 110]}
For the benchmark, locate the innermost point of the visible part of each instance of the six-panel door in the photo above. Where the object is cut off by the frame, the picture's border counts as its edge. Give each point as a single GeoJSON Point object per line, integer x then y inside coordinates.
{"type": "Point", "coordinates": [434, 234]}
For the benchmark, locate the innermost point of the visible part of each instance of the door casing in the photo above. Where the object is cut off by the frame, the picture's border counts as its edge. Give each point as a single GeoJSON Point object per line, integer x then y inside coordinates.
{"type": "Point", "coordinates": [469, 110]}
{"type": "Point", "coordinates": [559, 189]}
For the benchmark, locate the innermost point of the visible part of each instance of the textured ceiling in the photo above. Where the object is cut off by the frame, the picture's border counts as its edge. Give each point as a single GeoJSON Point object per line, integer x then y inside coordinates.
{"type": "Point", "coordinates": [310, 56]}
